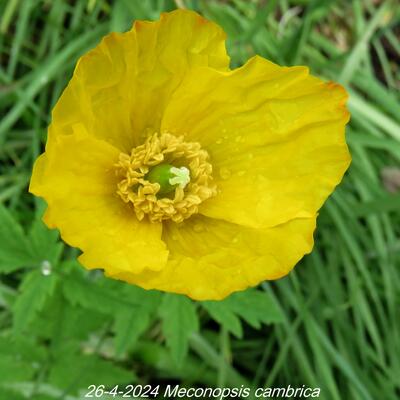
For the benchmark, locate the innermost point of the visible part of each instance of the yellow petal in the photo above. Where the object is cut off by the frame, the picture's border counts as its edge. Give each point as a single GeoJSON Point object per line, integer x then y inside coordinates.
{"type": "Point", "coordinates": [209, 259]}
{"type": "Point", "coordinates": [76, 178]}
{"type": "Point", "coordinates": [120, 89]}
{"type": "Point", "coordinates": [275, 136]}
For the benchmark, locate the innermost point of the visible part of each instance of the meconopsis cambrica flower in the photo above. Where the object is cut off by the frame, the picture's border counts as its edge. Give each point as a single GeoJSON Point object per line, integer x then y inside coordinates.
{"type": "Point", "coordinates": [171, 171]}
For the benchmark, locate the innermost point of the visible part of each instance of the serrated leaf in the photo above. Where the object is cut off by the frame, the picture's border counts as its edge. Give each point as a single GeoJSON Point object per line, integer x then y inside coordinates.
{"type": "Point", "coordinates": [225, 316]}
{"type": "Point", "coordinates": [18, 250]}
{"type": "Point", "coordinates": [23, 347]}
{"type": "Point", "coordinates": [74, 372]}
{"type": "Point", "coordinates": [15, 250]}
{"type": "Point", "coordinates": [179, 321]}
{"type": "Point", "coordinates": [102, 295]}
{"type": "Point", "coordinates": [65, 325]}
{"type": "Point", "coordinates": [13, 370]}
{"type": "Point", "coordinates": [44, 242]}
{"type": "Point", "coordinates": [35, 289]}
{"type": "Point", "coordinates": [128, 327]}
{"type": "Point", "coordinates": [130, 324]}
{"type": "Point", "coordinates": [255, 307]}
{"type": "Point", "coordinates": [19, 362]}
{"type": "Point", "coordinates": [78, 323]}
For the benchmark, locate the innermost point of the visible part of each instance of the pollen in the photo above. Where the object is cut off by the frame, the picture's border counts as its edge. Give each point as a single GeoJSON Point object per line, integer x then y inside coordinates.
{"type": "Point", "coordinates": [166, 178]}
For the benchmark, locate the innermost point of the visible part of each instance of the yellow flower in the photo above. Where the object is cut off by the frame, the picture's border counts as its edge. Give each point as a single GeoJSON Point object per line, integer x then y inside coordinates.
{"type": "Point", "coordinates": [171, 171]}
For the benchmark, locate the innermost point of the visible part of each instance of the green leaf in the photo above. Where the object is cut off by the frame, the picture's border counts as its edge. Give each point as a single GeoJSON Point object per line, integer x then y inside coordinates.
{"type": "Point", "coordinates": [128, 327]}
{"type": "Point", "coordinates": [224, 315]}
{"type": "Point", "coordinates": [100, 294]}
{"type": "Point", "coordinates": [25, 348]}
{"type": "Point", "coordinates": [44, 241]}
{"type": "Point", "coordinates": [25, 390]}
{"type": "Point", "coordinates": [7, 394]}
{"type": "Point", "coordinates": [179, 321]}
{"type": "Point", "coordinates": [15, 250]}
{"type": "Point", "coordinates": [73, 372]}
{"type": "Point", "coordinates": [253, 306]}
{"type": "Point", "coordinates": [78, 323]}
{"type": "Point", "coordinates": [7, 296]}
{"type": "Point", "coordinates": [130, 324]}
{"type": "Point", "coordinates": [21, 358]}
{"type": "Point", "coordinates": [35, 289]}
{"type": "Point", "coordinates": [14, 370]}
{"type": "Point", "coordinates": [65, 325]}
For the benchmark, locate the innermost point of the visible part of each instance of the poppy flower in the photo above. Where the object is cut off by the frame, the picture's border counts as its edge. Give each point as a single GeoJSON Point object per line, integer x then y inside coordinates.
{"type": "Point", "coordinates": [172, 172]}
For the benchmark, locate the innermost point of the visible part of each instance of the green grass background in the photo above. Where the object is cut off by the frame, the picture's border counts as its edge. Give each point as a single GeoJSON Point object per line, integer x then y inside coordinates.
{"type": "Point", "coordinates": [333, 323]}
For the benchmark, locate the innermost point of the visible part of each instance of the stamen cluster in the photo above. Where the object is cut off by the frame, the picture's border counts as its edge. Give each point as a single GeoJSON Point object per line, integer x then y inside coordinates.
{"type": "Point", "coordinates": [134, 188]}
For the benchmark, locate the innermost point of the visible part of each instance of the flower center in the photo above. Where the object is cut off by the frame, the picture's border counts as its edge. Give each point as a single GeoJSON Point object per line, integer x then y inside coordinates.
{"type": "Point", "coordinates": [165, 178]}
{"type": "Point", "coordinates": [168, 177]}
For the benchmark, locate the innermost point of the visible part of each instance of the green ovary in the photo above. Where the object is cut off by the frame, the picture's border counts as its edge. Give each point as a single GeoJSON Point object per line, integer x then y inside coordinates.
{"type": "Point", "coordinates": [168, 177]}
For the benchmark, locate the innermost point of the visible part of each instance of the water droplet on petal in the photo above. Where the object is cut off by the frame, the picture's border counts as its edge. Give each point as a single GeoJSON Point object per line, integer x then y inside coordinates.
{"type": "Point", "coordinates": [260, 178]}
{"type": "Point", "coordinates": [235, 239]}
{"type": "Point", "coordinates": [198, 227]}
{"type": "Point", "coordinates": [238, 139]}
{"type": "Point", "coordinates": [46, 268]}
{"type": "Point", "coordinates": [219, 141]}
{"type": "Point", "coordinates": [224, 173]}
{"type": "Point", "coordinates": [241, 173]}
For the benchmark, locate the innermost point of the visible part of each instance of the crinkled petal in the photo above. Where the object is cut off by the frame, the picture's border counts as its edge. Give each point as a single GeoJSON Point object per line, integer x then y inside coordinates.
{"type": "Point", "coordinates": [209, 259]}
{"type": "Point", "coordinates": [275, 136]}
{"type": "Point", "coordinates": [76, 178]}
{"type": "Point", "coordinates": [120, 89]}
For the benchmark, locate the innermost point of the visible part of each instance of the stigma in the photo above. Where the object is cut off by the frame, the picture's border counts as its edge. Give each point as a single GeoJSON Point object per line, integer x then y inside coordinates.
{"type": "Point", "coordinates": [181, 178]}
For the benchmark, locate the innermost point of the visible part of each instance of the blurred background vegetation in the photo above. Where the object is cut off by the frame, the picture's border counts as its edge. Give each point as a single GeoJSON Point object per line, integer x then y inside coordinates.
{"type": "Point", "coordinates": [333, 323]}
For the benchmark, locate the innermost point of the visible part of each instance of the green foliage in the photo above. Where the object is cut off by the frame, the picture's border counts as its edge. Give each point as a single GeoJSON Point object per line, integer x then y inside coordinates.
{"type": "Point", "coordinates": [44, 241]}
{"type": "Point", "coordinates": [131, 323]}
{"type": "Point", "coordinates": [20, 359]}
{"type": "Point", "coordinates": [179, 321]}
{"type": "Point", "coordinates": [61, 302]}
{"type": "Point", "coordinates": [332, 323]}
{"type": "Point", "coordinates": [12, 370]}
{"type": "Point", "coordinates": [7, 394]}
{"type": "Point", "coordinates": [15, 250]}
{"type": "Point", "coordinates": [95, 294]}
{"type": "Point", "coordinates": [253, 306]}
{"type": "Point", "coordinates": [34, 291]}
{"type": "Point", "coordinates": [73, 372]}
{"type": "Point", "coordinates": [223, 314]}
